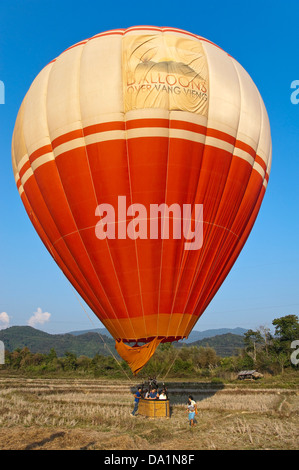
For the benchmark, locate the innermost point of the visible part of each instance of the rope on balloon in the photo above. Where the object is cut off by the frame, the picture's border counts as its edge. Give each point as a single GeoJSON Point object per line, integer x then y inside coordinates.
{"type": "Point", "coordinates": [105, 344]}
{"type": "Point", "coordinates": [107, 347]}
{"type": "Point", "coordinates": [171, 365]}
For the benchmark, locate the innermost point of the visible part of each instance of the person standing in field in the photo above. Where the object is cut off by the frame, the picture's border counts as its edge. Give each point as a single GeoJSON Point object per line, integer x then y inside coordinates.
{"type": "Point", "coordinates": [137, 397]}
{"type": "Point", "coordinates": [192, 409]}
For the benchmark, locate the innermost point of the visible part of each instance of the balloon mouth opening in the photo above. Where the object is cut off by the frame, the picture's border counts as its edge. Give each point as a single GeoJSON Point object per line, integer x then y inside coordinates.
{"type": "Point", "coordinates": [137, 356]}
{"type": "Point", "coordinates": [133, 342]}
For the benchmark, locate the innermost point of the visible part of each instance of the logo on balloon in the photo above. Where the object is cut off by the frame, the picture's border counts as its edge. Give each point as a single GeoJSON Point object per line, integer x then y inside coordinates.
{"type": "Point", "coordinates": [159, 222]}
{"type": "Point", "coordinates": [165, 72]}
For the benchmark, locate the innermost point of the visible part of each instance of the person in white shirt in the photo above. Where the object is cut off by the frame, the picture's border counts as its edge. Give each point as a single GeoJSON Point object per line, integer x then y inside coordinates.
{"type": "Point", "coordinates": [163, 395]}
{"type": "Point", "coordinates": [191, 408]}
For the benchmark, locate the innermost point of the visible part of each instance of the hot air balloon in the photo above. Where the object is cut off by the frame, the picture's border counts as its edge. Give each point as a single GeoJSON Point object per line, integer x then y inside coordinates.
{"type": "Point", "coordinates": [125, 147]}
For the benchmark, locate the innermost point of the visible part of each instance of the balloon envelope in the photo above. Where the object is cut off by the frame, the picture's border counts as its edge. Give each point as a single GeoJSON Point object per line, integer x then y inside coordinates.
{"type": "Point", "coordinates": [142, 157]}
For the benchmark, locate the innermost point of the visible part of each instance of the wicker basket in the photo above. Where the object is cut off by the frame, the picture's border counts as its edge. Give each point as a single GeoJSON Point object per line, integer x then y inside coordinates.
{"type": "Point", "coordinates": [154, 408]}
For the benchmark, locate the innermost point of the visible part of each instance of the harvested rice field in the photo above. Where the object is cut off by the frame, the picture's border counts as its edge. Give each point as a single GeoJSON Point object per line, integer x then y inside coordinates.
{"type": "Point", "coordinates": [95, 414]}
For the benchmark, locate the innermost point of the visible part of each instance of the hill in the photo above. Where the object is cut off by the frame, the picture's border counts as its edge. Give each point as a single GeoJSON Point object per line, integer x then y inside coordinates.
{"type": "Point", "coordinates": [101, 331]}
{"type": "Point", "coordinates": [199, 335]}
{"type": "Point", "coordinates": [195, 335]}
{"type": "Point", "coordinates": [89, 343]}
{"type": "Point", "coordinates": [226, 344]}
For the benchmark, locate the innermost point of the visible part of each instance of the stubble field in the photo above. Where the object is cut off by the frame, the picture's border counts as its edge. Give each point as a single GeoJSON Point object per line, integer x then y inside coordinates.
{"type": "Point", "coordinates": [95, 414]}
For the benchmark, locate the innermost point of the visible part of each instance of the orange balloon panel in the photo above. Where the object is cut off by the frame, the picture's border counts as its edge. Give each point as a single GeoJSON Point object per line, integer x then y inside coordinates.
{"type": "Point", "coordinates": [119, 128]}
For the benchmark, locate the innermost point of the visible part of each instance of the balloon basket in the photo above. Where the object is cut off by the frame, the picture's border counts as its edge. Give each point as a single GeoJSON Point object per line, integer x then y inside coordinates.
{"type": "Point", "coordinates": [154, 408]}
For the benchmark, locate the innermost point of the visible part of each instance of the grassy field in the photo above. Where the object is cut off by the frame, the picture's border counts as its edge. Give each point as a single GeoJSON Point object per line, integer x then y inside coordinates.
{"type": "Point", "coordinates": [95, 414]}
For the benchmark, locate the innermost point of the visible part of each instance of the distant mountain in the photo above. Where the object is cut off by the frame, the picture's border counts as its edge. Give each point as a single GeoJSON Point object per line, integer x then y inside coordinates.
{"type": "Point", "coordinates": [99, 341]}
{"type": "Point", "coordinates": [198, 335]}
{"type": "Point", "coordinates": [101, 331]}
{"type": "Point", "coordinates": [194, 335]}
{"type": "Point", "coordinates": [225, 345]}
{"type": "Point", "coordinates": [88, 344]}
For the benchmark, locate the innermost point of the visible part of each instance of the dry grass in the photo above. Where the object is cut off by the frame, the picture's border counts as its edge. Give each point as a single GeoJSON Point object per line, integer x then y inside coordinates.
{"type": "Point", "coordinates": [94, 414]}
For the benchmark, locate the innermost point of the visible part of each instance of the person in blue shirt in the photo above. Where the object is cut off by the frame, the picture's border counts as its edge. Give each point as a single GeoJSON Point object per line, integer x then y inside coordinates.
{"type": "Point", "coordinates": [153, 394]}
{"type": "Point", "coordinates": [137, 397]}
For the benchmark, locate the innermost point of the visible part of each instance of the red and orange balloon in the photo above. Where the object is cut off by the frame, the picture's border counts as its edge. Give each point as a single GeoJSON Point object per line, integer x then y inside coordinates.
{"type": "Point", "coordinates": [160, 116]}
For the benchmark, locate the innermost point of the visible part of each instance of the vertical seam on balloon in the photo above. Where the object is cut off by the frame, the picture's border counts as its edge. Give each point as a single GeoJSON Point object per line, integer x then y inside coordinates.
{"type": "Point", "coordinates": [165, 198]}
{"type": "Point", "coordinates": [183, 261]}
{"type": "Point", "coordinates": [55, 254]}
{"type": "Point", "coordinates": [50, 247]}
{"type": "Point", "coordinates": [216, 258]}
{"type": "Point", "coordinates": [95, 195]}
{"type": "Point", "coordinates": [50, 215]}
{"type": "Point", "coordinates": [131, 196]}
{"type": "Point", "coordinates": [241, 241]}
{"type": "Point", "coordinates": [245, 190]}
{"type": "Point", "coordinates": [205, 251]}
{"type": "Point", "coordinates": [184, 255]}
{"type": "Point", "coordinates": [263, 116]}
{"type": "Point", "coordinates": [72, 213]}
{"type": "Point", "coordinates": [195, 276]}
{"type": "Point", "coordinates": [269, 160]}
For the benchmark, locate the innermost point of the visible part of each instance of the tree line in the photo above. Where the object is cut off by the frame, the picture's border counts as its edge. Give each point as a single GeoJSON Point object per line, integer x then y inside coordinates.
{"type": "Point", "coordinates": [262, 350]}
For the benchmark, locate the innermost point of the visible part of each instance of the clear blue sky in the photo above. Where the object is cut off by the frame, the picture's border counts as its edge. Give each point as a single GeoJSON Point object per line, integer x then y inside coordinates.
{"type": "Point", "coordinates": [263, 37]}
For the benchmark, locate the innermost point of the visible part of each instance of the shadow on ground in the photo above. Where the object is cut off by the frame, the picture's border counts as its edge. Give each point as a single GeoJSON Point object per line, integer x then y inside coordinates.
{"type": "Point", "coordinates": [178, 392]}
{"type": "Point", "coordinates": [37, 444]}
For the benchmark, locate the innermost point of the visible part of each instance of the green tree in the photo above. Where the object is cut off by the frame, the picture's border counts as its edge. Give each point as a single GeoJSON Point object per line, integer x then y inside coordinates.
{"type": "Point", "coordinates": [51, 356]}
{"type": "Point", "coordinates": [206, 357]}
{"type": "Point", "coordinates": [267, 337]}
{"type": "Point", "coordinates": [286, 331]}
{"type": "Point", "coordinates": [286, 328]}
{"type": "Point", "coordinates": [253, 341]}
{"type": "Point", "coordinates": [70, 361]}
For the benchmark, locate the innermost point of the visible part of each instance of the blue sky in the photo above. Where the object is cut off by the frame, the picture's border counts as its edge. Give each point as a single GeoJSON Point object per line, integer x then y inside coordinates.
{"type": "Point", "coordinates": [263, 37]}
